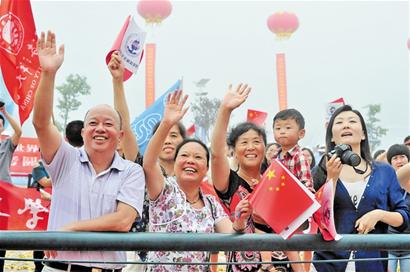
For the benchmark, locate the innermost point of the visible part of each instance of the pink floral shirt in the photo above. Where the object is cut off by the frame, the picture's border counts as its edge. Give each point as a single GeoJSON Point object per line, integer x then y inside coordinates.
{"type": "Point", "coordinates": [170, 212]}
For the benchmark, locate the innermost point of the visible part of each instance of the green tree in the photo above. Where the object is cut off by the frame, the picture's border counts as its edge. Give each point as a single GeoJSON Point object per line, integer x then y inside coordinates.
{"type": "Point", "coordinates": [69, 93]}
{"type": "Point", "coordinates": [374, 131]}
{"type": "Point", "coordinates": [205, 110]}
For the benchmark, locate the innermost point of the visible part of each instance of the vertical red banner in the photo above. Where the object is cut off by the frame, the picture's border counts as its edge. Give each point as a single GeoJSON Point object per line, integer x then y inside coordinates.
{"type": "Point", "coordinates": [281, 77]}
{"type": "Point", "coordinates": [149, 74]}
{"type": "Point", "coordinates": [18, 53]}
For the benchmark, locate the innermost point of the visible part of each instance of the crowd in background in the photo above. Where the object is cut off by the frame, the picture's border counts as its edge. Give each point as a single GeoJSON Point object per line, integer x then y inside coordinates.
{"type": "Point", "coordinates": [101, 182]}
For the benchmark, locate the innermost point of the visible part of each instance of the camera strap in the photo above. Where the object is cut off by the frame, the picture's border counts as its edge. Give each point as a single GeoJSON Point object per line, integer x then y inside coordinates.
{"type": "Point", "coordinates": [361, 172]}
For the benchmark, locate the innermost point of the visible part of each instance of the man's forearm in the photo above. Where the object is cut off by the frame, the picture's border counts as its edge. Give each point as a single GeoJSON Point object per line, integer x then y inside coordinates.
{"type": "Point", "coordinates": [43, 102]}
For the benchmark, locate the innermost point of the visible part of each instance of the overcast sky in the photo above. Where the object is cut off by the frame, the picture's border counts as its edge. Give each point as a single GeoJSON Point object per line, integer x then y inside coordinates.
{"type": "Point", "coordinates": [354, 50]}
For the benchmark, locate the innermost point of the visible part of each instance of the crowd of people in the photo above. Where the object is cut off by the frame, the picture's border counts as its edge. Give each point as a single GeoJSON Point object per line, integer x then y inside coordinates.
{"type": "Point", "coordinates": [100, 181]}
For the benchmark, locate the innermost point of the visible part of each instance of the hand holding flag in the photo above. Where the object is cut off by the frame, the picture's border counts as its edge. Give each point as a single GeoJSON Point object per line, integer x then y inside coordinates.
{"type": "Point", "coordinates": [282, 201]}
{"type": "Point", "coordinates": [130, 43]}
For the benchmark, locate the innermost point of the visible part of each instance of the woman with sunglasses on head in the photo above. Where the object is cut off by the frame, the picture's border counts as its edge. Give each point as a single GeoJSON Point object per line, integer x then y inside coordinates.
{"type": "Point", "coordinates": [367, 196]}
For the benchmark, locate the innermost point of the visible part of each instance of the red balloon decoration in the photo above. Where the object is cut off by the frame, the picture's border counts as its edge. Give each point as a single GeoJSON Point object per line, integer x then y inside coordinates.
{"type": "Point", "coordinates": [283, 24]}
{"type": "Point", "coordinates": [154, 11]}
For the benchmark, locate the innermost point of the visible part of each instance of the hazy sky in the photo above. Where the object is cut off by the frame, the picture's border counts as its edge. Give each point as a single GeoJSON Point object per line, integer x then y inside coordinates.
{"type": "Point", "coordinates": [354, 50]}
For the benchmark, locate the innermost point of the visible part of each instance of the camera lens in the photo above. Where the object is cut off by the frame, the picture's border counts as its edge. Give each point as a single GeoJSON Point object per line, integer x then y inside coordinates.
{"type": "Point", "coordinates": [350, 158]}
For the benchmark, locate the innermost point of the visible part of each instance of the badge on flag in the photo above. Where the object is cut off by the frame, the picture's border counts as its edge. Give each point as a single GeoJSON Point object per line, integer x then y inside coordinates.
{"type": "Point", "coordinates": [19, 61]}
{"type": "Point", "coordinates": [257, 117]}
{"type": "Point", "coordinates": [130, 44]}
{"type": "Point", "coordinates": [324, 217]}
{"type": "Point", "coordinates": [143, 124]}
{"type": "Point", "coordinates": [333, 106]}
{"type": "Point", "coordinates": [282, 201]}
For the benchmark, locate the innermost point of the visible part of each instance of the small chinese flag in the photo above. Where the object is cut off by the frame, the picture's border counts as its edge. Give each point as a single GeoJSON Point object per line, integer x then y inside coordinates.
{"type": "Point", "coordinates": [257, 117]}
{"type": "Point", "coordinates": [324, 216]}
{"type": "Point", "coordinates": [282, 201]}
{"type": "Point", "coordinates": [191, 130]}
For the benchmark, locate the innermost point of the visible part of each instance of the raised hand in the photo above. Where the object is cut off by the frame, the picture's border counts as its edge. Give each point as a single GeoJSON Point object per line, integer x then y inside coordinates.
{"type": "Point", "coordinates": [236, 96]}
{"type": "Point", "coordinates": [116, 66]}
{"type": "Point", "coordinates": [50, 59]}
{"type": "Point", "coordinates": [174, 108]}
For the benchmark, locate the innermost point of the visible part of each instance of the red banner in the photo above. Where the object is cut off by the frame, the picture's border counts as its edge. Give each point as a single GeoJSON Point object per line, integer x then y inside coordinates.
{"type": "Point", "coordinates": [18, 53]}
{"type": "Point", "coordinates": [22, 208]}
{"type": "Point", "coordinates": [25, 156]}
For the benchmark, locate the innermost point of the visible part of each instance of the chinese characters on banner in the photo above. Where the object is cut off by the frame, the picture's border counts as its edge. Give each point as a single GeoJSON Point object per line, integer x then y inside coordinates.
{"type": "Point", "coordinates": [22, 208]}
{"type": "Point", "coordinates": [19, 61]}
{"type": "Point", "coordinates": [25, 156]}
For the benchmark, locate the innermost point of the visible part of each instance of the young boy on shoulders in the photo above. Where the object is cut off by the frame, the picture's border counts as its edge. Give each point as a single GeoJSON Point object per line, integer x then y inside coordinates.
{"type": "Point", "coordinates": [288, 129]}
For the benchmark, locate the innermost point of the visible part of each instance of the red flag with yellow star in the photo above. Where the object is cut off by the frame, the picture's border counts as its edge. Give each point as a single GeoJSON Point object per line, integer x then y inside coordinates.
{"type": "Point", "coordinates": [257, 117]}
{"type": "Point", "coordinates": [282, 200]}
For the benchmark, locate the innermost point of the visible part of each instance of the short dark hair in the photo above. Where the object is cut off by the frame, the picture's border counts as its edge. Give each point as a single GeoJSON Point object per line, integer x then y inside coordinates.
{"type": "Point", "coordinates": [181, 128]}
{"type": "Point", "coordinates": [192, 140]}
{"type": "Point", "coordinates": [364, 144]}
{"type": "Point", "coordinates": [2, 118]}
{"type": "Point", "coordinates": [406, 139]}
{"type": "Point", "coordinates": [378, 153]}
{"type": "Point", "coordinates": [397, 149]}
{"type": "Point", "coordinates": [73, 133]}
{"type": "Point", "coordinates": [242, 128]}
{"type": "Point", "coordinates": [290, 114]}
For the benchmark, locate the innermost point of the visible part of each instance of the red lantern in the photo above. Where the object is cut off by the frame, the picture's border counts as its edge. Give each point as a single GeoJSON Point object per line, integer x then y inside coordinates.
{"type": "Point", "coordinates": [283, 24]}
{"type": "Point", "coordinates": [154, 11]}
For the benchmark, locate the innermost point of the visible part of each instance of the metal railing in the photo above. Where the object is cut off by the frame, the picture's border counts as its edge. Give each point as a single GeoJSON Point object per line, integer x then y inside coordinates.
{"type": "Point", "coordinates": [23, 240]}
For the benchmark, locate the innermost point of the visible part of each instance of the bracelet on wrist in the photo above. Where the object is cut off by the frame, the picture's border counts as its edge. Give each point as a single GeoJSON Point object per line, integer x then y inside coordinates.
{"type": "Point", "coordinates": [266, 267]}
{"type": "Point", "coordinates": [238, 230]}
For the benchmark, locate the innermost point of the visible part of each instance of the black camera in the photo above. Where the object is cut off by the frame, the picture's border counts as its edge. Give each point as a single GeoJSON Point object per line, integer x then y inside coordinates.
{"type": "Point", "coordinates": [1, 103]}
{"type": "Point", "coordinates": [346, 155]}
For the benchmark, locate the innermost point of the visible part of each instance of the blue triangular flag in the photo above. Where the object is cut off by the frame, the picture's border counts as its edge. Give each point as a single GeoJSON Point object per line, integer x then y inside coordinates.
{"type": "Point", "coordinates": [143, 124]}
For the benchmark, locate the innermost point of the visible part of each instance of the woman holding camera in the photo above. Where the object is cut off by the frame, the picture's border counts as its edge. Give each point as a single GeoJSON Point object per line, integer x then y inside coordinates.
{"type": "Point", "coordinates": [367, 196]}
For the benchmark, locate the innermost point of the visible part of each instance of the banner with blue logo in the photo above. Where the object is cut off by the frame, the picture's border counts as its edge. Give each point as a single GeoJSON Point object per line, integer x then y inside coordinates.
{"type": "Point", "coordinates": [143, 124]}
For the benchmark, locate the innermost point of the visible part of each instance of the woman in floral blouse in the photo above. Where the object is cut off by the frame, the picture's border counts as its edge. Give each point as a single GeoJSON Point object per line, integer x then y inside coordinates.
{"type": "Point", "coordinates": [176, 203]}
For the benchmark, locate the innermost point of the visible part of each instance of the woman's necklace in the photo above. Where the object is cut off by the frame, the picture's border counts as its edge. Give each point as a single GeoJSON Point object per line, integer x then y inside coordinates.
{"type": "Point", "coordinates": [250, 180]}
{"type": "Point", "coordinates": [195, 201]}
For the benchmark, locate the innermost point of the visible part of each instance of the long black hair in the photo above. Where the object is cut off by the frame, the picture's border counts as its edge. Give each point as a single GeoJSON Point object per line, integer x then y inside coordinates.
{"type": "Point", "coordinates": [364, 144]}
{"type": "Point", "coordinates": [319, 173]}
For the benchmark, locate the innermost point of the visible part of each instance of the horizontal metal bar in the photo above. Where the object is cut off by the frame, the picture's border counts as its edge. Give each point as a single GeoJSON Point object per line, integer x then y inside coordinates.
{"type": "Point", "coordinates": [16, 240]}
